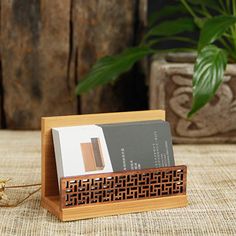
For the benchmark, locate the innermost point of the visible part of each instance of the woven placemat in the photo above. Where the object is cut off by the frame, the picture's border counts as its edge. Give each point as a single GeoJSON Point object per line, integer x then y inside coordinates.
{"type": "Point", "coordinates": [211, 192]}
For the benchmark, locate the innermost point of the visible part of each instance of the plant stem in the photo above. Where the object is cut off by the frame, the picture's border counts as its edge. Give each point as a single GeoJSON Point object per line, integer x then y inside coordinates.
{"type": "Point", "coordinates": [231, 51]}
{"type": "Point", "coordinates": [20, 201]}
{"type": "Point", "coordinates": [176, 50]}
{"type": "Point", "coordinates": [178, 38]}
{"type": "Point", "coordinates": [23, 186]}
{"type": "Point", "coordinates": [205, 11]}
{"type": "Point", "coordinates": [225, 44]}
{"type": "Point", "coordinates": [222, 5]}
{"type": "Point", "coordinates": [228, 6]}
{"type": "Point", "coordinates": [189, 8]}
{"type": "Point", "coordinates": [234, 27]}
{"type": "Point", "coordinates": [228, 35]}
{"type": "Point", "coordinates": [234, 8]}
{"type": "Point", "coordinates": [233, 33]}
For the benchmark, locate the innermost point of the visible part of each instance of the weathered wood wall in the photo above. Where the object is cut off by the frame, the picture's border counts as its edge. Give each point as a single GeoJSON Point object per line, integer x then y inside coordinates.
{"type": "Point", "coordinates": [35, 52]}
{"type": "Point", "coordinates": [46, 48]}
{"type": "Point", "coordinates": [101, 28]}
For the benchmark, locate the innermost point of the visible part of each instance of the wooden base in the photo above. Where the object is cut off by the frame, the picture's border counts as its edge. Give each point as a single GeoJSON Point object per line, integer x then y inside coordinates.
{"type": "Point", "coordinates": [107, 209]}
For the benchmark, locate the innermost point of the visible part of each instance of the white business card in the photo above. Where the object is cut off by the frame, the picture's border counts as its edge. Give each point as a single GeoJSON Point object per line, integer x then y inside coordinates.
{"type": "Point", "coordinates": [75, 151]}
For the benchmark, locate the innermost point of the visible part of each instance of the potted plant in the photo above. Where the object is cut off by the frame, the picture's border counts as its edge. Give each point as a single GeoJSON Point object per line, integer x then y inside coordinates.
{"type": "Point", "coordinates": [216, 45]}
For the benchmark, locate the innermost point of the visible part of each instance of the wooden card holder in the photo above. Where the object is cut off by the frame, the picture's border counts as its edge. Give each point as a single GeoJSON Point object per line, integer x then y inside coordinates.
{"type": "Point", "coordinates": [106, 194]}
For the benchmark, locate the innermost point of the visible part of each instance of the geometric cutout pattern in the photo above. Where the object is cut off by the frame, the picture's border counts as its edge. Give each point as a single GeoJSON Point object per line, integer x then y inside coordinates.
{"type": "Point", "coordinates": [123, 186]}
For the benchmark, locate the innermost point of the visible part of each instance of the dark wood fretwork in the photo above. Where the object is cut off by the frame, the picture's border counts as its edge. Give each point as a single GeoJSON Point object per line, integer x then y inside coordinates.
{"type": "Point", "coordinates": [123, 186]}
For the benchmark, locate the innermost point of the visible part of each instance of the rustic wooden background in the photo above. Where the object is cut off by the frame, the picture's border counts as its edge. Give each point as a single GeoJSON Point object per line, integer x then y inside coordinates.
{"type": "Point", "coordinates": [48, 45]}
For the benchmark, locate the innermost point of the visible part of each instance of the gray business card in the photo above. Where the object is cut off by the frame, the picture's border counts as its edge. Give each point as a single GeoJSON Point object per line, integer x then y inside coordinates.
{"type": "Point", "coordinates": [139, 145]}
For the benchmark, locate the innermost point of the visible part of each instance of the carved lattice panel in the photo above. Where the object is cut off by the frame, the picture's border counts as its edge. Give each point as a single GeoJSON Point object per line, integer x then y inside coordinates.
{"type": "Point", "coordinates": [122, 186]}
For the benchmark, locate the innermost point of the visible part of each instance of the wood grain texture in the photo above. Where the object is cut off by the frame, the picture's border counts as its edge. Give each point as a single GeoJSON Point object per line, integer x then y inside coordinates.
{"type": "Point", "coordinates": [101, 28]}
{"type": "Point", "coordinates": [52, 204]}
{"type": "Point", "coordinates": [47, 46]}
{"type": "Point", "coordinates": [125, 207]}
{"type": "Point", "coordinates": [35, 54]}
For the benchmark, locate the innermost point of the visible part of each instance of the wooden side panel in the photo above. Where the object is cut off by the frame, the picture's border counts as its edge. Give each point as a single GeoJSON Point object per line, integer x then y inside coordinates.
{"type": "Point", "coordinates": [35, 51]}
{"type": "Point", "coordinates": [49, 175]}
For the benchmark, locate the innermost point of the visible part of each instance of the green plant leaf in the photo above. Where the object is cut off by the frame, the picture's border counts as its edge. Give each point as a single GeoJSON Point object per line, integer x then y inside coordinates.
{"type": "Point", "coordinates": [208, 75]}
{"type": "Point", "coordinates": [198, 2]}
{"type": "Point", "coordinates": [211, 4]}
{"type": "Point", "coordinates": [214, 28]}
{"type": "Point", "coordinates": [165, 12]}
{"type": "Point", "coordinates": [207, 3]}
{"type": "Point", "coordinates": [109, 68]}
{"type": "Point", "coordinates": [200, 22]}
{"type": "Point", "coordinates": [172, 27]}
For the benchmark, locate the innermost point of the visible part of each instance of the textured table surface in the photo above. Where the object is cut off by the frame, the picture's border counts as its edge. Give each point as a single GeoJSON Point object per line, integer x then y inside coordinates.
{"type": "Point", "coordinates": [211, 193]}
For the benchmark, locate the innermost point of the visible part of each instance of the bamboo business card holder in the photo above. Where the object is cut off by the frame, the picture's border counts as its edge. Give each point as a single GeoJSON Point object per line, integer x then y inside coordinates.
{"type": "Point", "coordinates": [95, 195]}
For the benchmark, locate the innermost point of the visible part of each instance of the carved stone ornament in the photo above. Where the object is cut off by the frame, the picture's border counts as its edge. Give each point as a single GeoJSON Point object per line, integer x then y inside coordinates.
{"type": "Point", "coordinates": [171, 89]}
